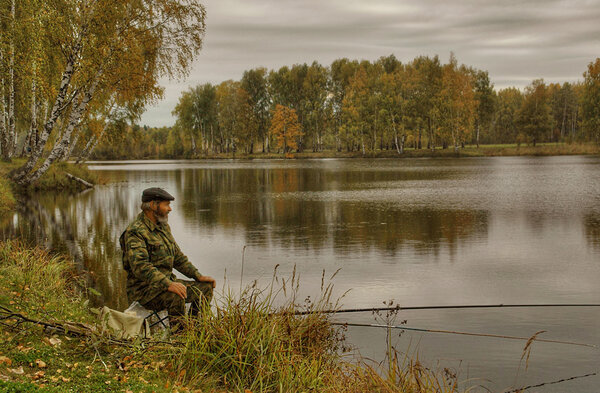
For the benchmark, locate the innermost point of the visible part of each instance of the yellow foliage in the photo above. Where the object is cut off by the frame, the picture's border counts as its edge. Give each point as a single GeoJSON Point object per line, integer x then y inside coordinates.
{"type": "Point", "coordinates": [285, 128]}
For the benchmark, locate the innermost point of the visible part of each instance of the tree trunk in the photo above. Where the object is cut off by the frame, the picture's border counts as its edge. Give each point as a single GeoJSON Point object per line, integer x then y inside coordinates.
{"type": "Point", "coordinates": [478, 135]}
{"type": "Point", "coordinates": [402, 143]}
{"type": "Point", "coordinates": [3, 129]}
{"type": "Point", "coordinates": [12, 132]}
{"type": "Point", "coordinates": [362, 142]}
{"type": "Point", "coordinates": [58, 108]}
{"type": "Point", "coordinates": [63, 143]}
{"type": "Point", "coordinates": [69, 150]}
{"type": "Point", "coordinates": [29, 140]}
{"type": "Point", "coordinates": [562, 126]}
{"type": "Point", "coordinates": [91, 145]}
{"type": "Point", "coordinates": [194, 149]}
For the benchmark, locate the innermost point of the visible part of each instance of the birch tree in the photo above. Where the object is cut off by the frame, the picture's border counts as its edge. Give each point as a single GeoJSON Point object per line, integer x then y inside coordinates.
{"type": "Point", "coordinates": [105, 46]}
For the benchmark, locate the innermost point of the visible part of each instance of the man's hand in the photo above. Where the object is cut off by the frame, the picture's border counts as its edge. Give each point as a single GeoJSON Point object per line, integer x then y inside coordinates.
{"type": "Point", "coordinates": [209, 279]}
{"type": "Point", "coordinates": [178, 289]}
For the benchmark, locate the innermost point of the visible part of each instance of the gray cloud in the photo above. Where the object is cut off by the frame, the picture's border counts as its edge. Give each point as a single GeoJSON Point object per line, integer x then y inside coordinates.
{"type": "Point", "coordinates": [515, 40]}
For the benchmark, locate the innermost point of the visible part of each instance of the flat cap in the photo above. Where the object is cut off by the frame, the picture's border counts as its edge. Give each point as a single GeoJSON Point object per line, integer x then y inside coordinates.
{"type": "Point", "coordinates": [156, 194]}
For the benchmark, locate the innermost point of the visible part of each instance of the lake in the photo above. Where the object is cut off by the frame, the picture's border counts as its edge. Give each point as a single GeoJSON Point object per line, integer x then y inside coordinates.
{"type": "Point", "coordinates": [415, 231]}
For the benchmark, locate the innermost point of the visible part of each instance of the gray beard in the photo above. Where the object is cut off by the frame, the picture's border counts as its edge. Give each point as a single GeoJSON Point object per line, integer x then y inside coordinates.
{"type": "Point", "coordinates": [162, 219]}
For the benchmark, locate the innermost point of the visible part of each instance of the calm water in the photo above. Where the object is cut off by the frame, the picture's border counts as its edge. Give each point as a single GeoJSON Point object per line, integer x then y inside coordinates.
{"type": "Point", "coordinates": [420, 232]}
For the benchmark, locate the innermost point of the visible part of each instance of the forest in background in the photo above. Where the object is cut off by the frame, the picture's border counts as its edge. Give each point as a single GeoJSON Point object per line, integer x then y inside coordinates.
{"type": "Point", "coordinates": [76, 76]}
{"type": "Point", "coordinates": [364, 107]}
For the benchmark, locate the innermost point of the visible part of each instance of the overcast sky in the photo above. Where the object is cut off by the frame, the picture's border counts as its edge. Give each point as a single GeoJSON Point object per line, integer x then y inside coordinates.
{"type": "Point", "coordinates": [515, 40]}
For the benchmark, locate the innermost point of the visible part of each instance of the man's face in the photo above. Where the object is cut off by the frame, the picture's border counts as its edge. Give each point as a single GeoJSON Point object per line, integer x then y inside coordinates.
{"type": "Point", "coordinates": [161, 211]}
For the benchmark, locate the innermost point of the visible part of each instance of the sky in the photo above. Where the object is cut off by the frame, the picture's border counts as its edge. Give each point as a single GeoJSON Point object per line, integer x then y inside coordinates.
{"type": "Point", "coordinates": [516, 41]}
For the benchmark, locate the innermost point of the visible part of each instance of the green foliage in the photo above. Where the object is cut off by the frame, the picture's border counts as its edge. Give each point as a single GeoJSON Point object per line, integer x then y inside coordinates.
{"type": "Point", "coordinates": [372, 108]}
{"type": "Point", "coordinates": [535, 115]}
{"type": "Point", "coordinates": [591, 100]}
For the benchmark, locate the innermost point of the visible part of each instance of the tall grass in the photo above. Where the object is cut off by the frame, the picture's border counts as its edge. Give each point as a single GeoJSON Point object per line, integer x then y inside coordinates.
{"type": "Point", "coordinates": [40, 285]}
{"type": "Point", "coordinates": [251, 341]}
{"type": "Point", "coordinates": [255, 342]}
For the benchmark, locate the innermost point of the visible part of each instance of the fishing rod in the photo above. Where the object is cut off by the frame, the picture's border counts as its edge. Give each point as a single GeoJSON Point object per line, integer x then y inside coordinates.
{"type": "Point", "coordinates": [449, 307]}
{"type": "Point", "coordinates": [402, 327]}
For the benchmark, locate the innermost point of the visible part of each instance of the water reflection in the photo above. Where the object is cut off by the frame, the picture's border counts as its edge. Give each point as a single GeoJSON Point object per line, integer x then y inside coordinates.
{"type": "Point", "coordinates": [284, 208]}
{"type": "Point", "coordinates": [419, 231]}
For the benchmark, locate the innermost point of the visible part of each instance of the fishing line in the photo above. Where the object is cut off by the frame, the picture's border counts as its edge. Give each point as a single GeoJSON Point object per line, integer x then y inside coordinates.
{"type": "Point", "coordinates": [402, 327]}
{"type": "Point", "coordinates": [449, 307]}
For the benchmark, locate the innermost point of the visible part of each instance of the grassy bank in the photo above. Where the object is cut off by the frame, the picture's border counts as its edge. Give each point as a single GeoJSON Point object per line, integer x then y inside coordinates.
{"type": "Point", "coordinates": [54, 180]}
{"type": "Point", "coordinates": [239, 346]}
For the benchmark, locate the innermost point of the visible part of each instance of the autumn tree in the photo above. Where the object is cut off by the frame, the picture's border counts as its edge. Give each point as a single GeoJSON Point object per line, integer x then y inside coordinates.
{"type": "Point", "coordinates": [315, 92]}
{"type": "Point", "coordinates": [535, 115]}
{"type": "Point", "coordinates": [457, 103]}
{"type": "Point", "coordinates": [95, 47]}
{"type": "Point", "coordinates": [591, 100]}
{"type": "Point", "coordinates": [286, 128]}
{"type": "Point", "coordinates": [196, 114]}
{"type": "Point", "coordinates": [254, 82]}
{"type": "Point", "coordinates": [504, 124]}
{"type": "Point", "coordinates": [341, 71]}
{"type": "Point", "coordinates": [426, 75]}
{"type": "Point", "coordinates": [485, 96]}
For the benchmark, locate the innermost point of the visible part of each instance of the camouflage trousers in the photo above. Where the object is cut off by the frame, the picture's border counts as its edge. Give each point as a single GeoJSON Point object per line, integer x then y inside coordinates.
{"type": "Point", "coordinates": [199, 294]}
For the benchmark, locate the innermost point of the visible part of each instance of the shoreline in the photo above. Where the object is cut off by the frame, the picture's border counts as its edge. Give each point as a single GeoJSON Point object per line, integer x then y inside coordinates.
{"type": "Point", "coordinates": [507, 150]}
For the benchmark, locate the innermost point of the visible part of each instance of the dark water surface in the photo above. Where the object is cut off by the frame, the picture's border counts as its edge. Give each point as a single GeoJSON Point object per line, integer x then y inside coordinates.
{"type": "Point", "coordinates": [421, 232]}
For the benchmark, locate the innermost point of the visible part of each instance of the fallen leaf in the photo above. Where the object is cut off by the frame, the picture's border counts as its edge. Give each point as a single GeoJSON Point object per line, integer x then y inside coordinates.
{"type": "Point", "coordinates": [23, 348]}
{"type": "Point", "coordinates": [5, 360]}
{"type": "Point", "coordinates": [54, 341]}
{"type": "Point", "coordinates": [40, 363]}
{"type": "Point", "coordinates": [247, 391]}
{"type": "Point", "coordinates": [38, 375]}
{"type": "Point", "coordinates": [65, 379]}
{"type": "Point", "coordinates": [18, 371]}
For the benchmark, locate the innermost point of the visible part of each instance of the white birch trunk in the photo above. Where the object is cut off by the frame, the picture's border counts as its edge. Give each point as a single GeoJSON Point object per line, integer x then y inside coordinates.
{"type": "Point", "coordinates": [19, 176]}
{"type": "Point", "coordinates": [63, 143]}
{"type": "Point", "coordinates": [56, 111]}
{"type": "Point", "coordinates": [29, 141]}
{"type": "Point", "coordinates": [12, 132]}
{"type": "Point", "coordinates": [3, 130]}
{"type": "Point", "coordinates": [396, 136]}
{"type": "Point", "coordinates": [90, 146]}
{"type": "Point", "coordinates": [69, 150]}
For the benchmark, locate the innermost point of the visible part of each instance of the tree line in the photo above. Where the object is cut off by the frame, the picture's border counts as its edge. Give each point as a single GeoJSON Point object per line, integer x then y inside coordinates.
{"type": "Point", "coordinates": [363, 106]}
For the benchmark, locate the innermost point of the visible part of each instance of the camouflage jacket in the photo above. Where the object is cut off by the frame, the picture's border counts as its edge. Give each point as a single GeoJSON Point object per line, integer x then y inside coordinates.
{"type": "Point", "coordinates": [149, 255]}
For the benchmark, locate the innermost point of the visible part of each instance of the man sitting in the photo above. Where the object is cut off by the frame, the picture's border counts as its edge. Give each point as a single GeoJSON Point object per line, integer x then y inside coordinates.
{"type": "Point", "coordinates": [149, 255]}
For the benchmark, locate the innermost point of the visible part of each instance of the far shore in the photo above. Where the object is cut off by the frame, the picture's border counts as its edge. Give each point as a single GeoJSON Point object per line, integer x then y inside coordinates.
{"type": "Point", "coordinates": [541, 149]}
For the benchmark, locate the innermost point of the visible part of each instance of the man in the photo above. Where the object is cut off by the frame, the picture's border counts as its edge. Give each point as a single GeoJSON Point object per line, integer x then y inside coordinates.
{"type": "Point", "coordinates": [149, 255]}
